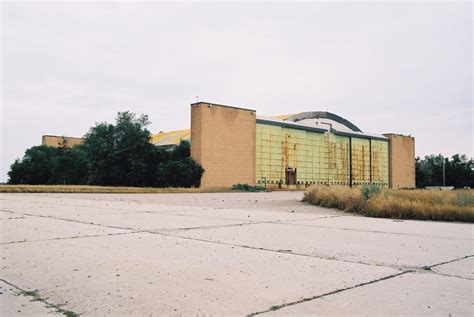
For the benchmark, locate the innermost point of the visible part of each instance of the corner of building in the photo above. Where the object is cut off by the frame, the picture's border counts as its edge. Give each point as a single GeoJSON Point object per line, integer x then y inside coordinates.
{"type": "Point", "coordinates": [223, 141]}
{"type": "Point", "coordinates": [401, 161]}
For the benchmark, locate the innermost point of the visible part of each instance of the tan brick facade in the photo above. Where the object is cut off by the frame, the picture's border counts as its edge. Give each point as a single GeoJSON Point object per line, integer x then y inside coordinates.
{"type": "Point", "coordinates": [402, 161]}
{"type": "Point", "coordinates": [233, 148]}
{"type": "Point", "coordinates": [223, 141]}
{"type": "Point", "coordinates": [58, 141]}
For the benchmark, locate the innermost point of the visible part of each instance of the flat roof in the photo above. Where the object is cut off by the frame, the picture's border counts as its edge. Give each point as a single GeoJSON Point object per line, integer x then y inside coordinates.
{"type": "Point", "coordinates": [62, 136]}
{"type": "Point", "coordinates": [219, 105]}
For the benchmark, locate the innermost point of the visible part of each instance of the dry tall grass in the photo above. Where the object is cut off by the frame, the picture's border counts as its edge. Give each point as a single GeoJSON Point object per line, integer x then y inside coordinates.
{"type": "Point", "coordinates": [101, 189]}
{"type": "Point", "coordinates": [455, 205]}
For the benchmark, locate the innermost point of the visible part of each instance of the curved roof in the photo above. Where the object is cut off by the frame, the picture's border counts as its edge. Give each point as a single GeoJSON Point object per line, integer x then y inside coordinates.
{"type": "Point", "coordinates": [323, 115]}
{"type": "Point", "coordinates": [312, 119]}
{"type": "Point", "coordinates": [170, 137]}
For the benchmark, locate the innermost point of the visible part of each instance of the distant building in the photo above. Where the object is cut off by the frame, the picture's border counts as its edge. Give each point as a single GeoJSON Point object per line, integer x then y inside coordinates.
{"type": "Point", "coordinates": [234, 145]}
{"type": "Point", "coordinates": [60, 141]}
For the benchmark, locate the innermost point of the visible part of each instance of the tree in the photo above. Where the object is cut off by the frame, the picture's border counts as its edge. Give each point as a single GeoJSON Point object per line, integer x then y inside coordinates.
{"type": "Point", "coordinates": [179, 173]}
{"type": "Point", "coordinates": [98, 146]}
{"type": "Point", "coordinates": [117, 154]}
{"type": "Point", "coordinates": [181, 151]}
{"type": "Point", "coordinates": [34, 168]}
{"type": "Point", "coordinates": [69, 166]}
{"type": "Point", "coordinates": [458, 171]}
{"type": "Point", "coordinates": [120, 154]}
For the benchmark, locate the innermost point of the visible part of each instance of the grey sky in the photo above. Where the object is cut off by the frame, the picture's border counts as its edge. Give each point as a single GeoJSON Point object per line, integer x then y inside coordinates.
{"type": "Point", "coordinates": [387, 67]}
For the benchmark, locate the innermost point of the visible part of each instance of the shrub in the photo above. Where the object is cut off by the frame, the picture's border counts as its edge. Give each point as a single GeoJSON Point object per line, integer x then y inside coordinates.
{"type": "Point", "coordinates": [180, 151]}
{"type": "Point", "coordinates": [248, 188]}
{"type": "Point", "coordinates": [402, 204]}
{"type": "Point", "coordinates": [180, 173]}
{"type": "Point", "coordinates": [35, 167]}
{"type": "Point", "coordinates": [464, 198]}
{"type": "Point", "coordinates": [369, 191]}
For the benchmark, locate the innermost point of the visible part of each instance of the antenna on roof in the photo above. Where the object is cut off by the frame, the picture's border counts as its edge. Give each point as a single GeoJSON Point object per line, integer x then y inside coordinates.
{"type": "Point", "coordinates": [197, 98]}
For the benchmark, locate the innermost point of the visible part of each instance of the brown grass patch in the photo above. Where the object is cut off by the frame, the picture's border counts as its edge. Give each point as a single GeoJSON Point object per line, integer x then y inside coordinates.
{"type": "Point", "coordinates": [455, 205]}
{"type": "Point", "coordinates": [102, 189]}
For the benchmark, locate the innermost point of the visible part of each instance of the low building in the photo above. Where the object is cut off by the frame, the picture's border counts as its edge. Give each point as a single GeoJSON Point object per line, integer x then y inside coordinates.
{"type": "Point", "coordinates": [234, 145]}
{"type": "Point", "coordinates": [60, 141]}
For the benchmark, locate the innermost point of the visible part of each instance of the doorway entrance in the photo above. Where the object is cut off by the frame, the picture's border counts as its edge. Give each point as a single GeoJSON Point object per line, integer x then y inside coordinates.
{"type": "Point", "coordinates": [290, 176]}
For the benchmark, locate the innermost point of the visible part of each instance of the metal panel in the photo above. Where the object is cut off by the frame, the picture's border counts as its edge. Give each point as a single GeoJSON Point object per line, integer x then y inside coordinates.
{"type": "Point", "coordinates": [319, 158]}
{"type": "Point", "coordinates": [360, 161]}
{"type": "Point", "coordinates": [380, 168]}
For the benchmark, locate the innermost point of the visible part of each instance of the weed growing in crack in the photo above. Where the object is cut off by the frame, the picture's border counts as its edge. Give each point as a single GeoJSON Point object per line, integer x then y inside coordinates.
{"type": "Point", "coordinates": [275, 307]}
{"type": "Point", "coordinates": [33, 294]}
{"type": "Point", "coordinates": [37, 298]}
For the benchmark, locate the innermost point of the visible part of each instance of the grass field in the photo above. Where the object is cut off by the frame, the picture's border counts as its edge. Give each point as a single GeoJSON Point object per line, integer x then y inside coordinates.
{"type": "Point", "coordinates": [101, 189]}
{"type": "Point", "coordinates": [455, 205]}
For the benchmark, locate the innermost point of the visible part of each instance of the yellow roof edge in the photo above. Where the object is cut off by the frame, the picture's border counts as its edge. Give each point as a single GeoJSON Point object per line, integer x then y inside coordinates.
{"type": "Point", "coordinates": [174, 136]}
{"type": "Point", "coordinates": [283, 116]}
{"type": "Point", "coordinates": [172, 131]}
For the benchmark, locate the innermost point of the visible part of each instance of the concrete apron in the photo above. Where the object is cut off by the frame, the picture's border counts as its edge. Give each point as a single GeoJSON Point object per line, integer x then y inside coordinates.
{"type": "Point", "coordinates": [225, 254]}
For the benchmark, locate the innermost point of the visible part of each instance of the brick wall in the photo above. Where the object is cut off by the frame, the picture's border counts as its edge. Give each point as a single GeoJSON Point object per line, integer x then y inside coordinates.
{"type": "Point", "coordinates": [402, 161]}
{"type": "Point", "coordinates": [223, 141]}
{"type": "Point", "coordinates": [57, 141]}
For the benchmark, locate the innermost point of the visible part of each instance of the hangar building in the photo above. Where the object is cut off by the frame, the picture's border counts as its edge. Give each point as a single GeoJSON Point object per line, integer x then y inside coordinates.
{"type": "Point", "coordinates": [234, 145]}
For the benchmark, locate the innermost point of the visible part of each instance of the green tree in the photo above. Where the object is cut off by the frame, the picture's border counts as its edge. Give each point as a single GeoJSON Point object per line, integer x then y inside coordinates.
{"type": "Point", "coordinates": [117, 154]}
{"type": "Point", "coordinates": [179, 173]}
{"type": "Point", "coordinates": [458, 171]}
{"type": "Point", "coordinates": [34, 168]}
{"type": "Point", "coordinates": [69, 166]}
{"type": "Point", "coordinates": [180, 151]}
{"type": "Point", "coordinates": [120, 154]}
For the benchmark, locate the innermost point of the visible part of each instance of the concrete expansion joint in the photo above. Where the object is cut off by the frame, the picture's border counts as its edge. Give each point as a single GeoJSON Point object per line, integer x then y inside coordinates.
{"type": "Point", "coordinates": [455, 276]}
{"type": "Point", "coordinates": [406, 269]}
{"type": "Point", "coordinates": [370, 231]}
{"type": "Point", "coordinates": [71, 220]}
{"type": "Point", "coordinates": [284, 251]}
{"type": "Point", "coordinates": [35, 296]}
{"type": "Point", "coordinates": [127, 211]}
{"type": "Point", "coordinates": [307, 299]}
{"type": "Point", "coordinates": [245, 223]}
{"type": "Point", "coordinates": [73, 237]}
{"type": "Point", "coordinates": [7, 211]}
{"type": "Point", "coordinates": [451, 261]}
{"type": "Point", "coordinates": [201, 227]}
{"type": "Point", "coordinates": [428, 269]}
{"type": "Point", "coordinates": [290, 222]}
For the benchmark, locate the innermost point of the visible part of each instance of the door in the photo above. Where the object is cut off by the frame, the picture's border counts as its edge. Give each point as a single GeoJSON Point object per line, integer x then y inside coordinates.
{"type": "Point", "coordinates": [290, 176]}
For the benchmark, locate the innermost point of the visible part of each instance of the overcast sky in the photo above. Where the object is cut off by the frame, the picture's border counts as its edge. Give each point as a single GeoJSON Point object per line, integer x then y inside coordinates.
{"type": "Point", "coordinates": [387, 67]}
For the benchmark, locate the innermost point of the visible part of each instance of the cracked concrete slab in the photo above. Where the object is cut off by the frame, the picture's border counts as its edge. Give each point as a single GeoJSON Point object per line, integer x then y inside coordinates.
{"type": "Point", "coordinates": [247, 252]}
{"type": "Point", "coordinates": [274, 202]}
{"type": "Point", "coordinates": [67, 208]}
{"type": "Point", "coordinates": [191, 218]}
{"type": "Point", "coordinates": [155, 221]}
{"type": "Point", "coordinates": [146, 273]}
{"type": "Point", "coordinates": [397, 226]}
{"type": "Point", "coordinates": [5, 215]}
{"type": "Point", "coordinates": [463, 268]}
{"type": "Point", "coordinates": [357, 246]}
{"type": "Point", "coordinates": [15, 304]}
{"type": "Point", "coordinates": [409, 295]}
{"type": "Point", "coordinates": [24, 229]}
